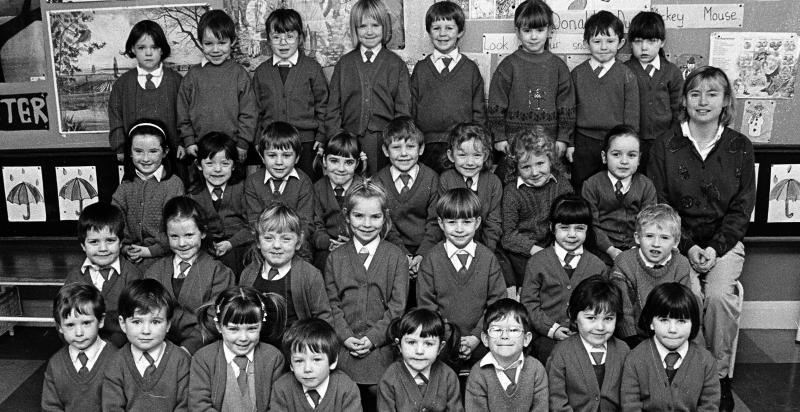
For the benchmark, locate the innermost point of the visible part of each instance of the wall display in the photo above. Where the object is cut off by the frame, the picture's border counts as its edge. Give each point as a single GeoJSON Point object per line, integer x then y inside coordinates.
{"type": "Point", "coordinates": [701, 16]}
{"type": "Point", "coordinates": [757, 118]}
{"type": "Point", "coordinates": [88, 47]}
{"type": "Point", "coordinates": [77, 188]}
{"type": "Point", "coordinates": [24, 193]}
{"type": "Point", "coordinates": [687, 62]}
{"type": "Point", "coordinates": [24, 112]}
{"type": "Point", "coordinates": [761, 65]}
{"type": "Point", "coordinates": [21, 41]}
{"type": "Point", "coordinates": [784, 192]}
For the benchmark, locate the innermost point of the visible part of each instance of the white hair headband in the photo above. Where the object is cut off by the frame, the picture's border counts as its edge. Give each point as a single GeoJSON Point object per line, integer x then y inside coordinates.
{"type": "Point", "coordinates": [130, 133]}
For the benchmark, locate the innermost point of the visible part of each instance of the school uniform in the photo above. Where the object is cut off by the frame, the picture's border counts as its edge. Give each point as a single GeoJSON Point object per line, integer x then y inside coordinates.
{"type": "Point", "coordinates": [645, 385]}
{"type": "Point", "coordinates": [340, 395]}
{"type": "Point", "coordinates": [127, 389]}
{"type": "Point", "coordinates": [211, 387]}
{"type": "Point", "coordinates": [329, 221]}
{"type": "Point", "coordinates": [490, 191]}
{"type": "Point", "coordinates": [66, 388]}
{"type": "Point", "coordinates": [488, 387]}
{"type": "Point", "coordinates": [295, 191]}
{"type": "Point", "coordinates": [400, 391]}
{"type": "Point", "coordinates": [364, 299]}
{"type": "Point", "coordinates": [574, 377]}
{"type": "Point", "coordinates": [205, 279]}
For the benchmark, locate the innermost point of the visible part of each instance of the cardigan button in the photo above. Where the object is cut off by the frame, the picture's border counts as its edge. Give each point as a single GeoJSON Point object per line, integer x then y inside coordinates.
{"type": "Point", "coordinates": [569, 286]}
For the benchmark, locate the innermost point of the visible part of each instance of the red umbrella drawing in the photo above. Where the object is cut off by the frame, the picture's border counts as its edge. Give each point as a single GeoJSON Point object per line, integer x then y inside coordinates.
{"type": "Point", "coordinates": [78, 189]}
{"type": "Point", "coordinates": [24, 194]}
{"type": "Point", "coordinates": [786, 190]}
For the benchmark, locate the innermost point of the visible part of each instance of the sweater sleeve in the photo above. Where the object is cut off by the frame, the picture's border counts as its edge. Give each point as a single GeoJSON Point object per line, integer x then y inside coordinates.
{"type": "Point", "coordinates": [565, 104]}
{"type": "Point", "coordinates": [305, 207]}
{"type": "Point", "coordinates": [710, 395]}
{"type": "Point", "coordinates": [413, 88]}
{"type": "Point", "coordinates": [182, 386]}
{"type": "Point", "coordinates": [116, 126]}
{"type": "Point", "coordinates": [631, 109]}
{"type": "Point", "coordinates": [630, 391]}
{"type": "Point", "coordinates": [498, 100]}
{"type": "Point", "coordinates": [496, 291]}
{"type": "Point", "coordinates": [333, 111]}
{"type": "Point", "coordinates": [253, 206]}
{"type": "Point", "coordinates": [51, 402]}
{"type": "Point", "coordinates": [320, 307]}
{"type": "Point", "coordinates": [113, 392]}
{"type": "Point", "coordinates": [432, 230]}
{"type": "Point", "coordinates": [512, 239]}
{"type": "Point", "coordinates": [627, 287]}
{"type": "Point", "coordinates": [453, 394]}
{"type": "Point", "coordinates": [478, 99]}
{"type": "Point", "coordinates": [320, 238]}
{"type": "Point", "coordinates": [492, 229]}
{"type": "Point", "coordinates": [557, 381]}
{"type": "Point", "coordinates": [339, 322]}
{"type": "Point", "coordinates": [591, 193]}
{"type": "Point", "coordinates": [402, 98]}
{"type": "Point", "coordinates": [200, 379]}
{"type": "Point", "coordinates": [161, 245]}
{"type": "Point", "coordinates": [675, 88]}
{"type": "Point", "coordinates": [426, 285]}
{"type": "Point", "coordinates": [540, 390]}
{"type": "Point", "coordinates": [280, 398]}
{"type": "Point", "coordinates": [531, 297]}
{"type": "Point", "coordinates": [737, 217]}
{"type": "Point", "coordinates": [120, 200]}
{"type": "Point", "coordinates": [248, 111]}
{"type": "Point", "coordinates": [476, 396]}
{"type": "Point", "coordinates": [319, 87]}
{"type": "Point", "coordinates": [243, 235]}
{"type": "Point", "coordinates": [386, 395]}
{"type": "Point", "coordinates": [396, 302]}
{"type": "Point", "coordinates": [185, 128]}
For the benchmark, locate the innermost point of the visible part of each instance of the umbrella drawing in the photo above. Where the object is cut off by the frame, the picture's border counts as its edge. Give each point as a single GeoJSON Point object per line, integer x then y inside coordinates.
{"type": "Point", "coordinates": [78, 189]}
{"type": "Point", "coordinates": [786, 190]}
{"type": "Point", "coordinates": [24, 194]}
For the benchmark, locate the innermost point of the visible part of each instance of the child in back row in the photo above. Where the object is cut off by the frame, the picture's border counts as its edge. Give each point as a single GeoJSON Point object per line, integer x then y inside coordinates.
{"type": "Point", "coordinates": [531, 87]}
{"type": "Point", "coordinates": [74, 376]}
{"type": "Point", "coordinates": [552, 273]}
{"type": "Point", "coordinates": [290, 87]}
{"type": "Point", "coordinates": [446, 87]}
{"type": "Point", "coordinates": [369, 86]}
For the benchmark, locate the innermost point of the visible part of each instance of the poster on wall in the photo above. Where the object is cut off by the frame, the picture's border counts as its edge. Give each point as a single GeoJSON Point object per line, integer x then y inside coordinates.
{"type": "Point", "coordinates": [88, 47]}
{"type": "Point", "coordinates": [757, 118]}
{"type": "Point", "coordinates": [784, 193]}
{"type": "Point", "coordinates": [21, 41]}
{"type": "Point", "coordinates": [761, 65]}
{"type": "Point", "coordinates": [77, 188]}
{"type": "Point", "coordinates": [24, 193]}
{"type": "Point", "coordinates": [327, 28]}
{"type": "Point", "coordinates": [597, 4]}
{"type": "Point", "coordinates": [687, 62]}
{"type": "Point", "coordinates": [24, 112]}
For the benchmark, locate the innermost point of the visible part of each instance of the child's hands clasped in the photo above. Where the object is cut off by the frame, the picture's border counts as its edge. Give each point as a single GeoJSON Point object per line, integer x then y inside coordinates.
{"type": "Point", "coordinates": [468, 345]}
{"type": "Point", "coordinates": [358, 347]}
{"type": "Point", "coordinates": [562, 333]}
{"type": "Point", "coordinates": [702, 260]}
{"type": "Point", "coordinates": [136, 253]}
{"type": "Point", "coordinates": [335, 243]}
{"type": "Point", "coordinates": [221, 248]}
{"type": "Point", "coordinates": [413, 264]}
{"type": "Point", "coordinates": [191, 150]}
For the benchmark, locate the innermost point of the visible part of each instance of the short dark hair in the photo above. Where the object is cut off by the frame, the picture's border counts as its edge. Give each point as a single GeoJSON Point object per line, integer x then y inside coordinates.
{"type": "Point", "coordinates": [595, 293]}
{"type": "Point", "coordinates": [99, 216]}
{"type": "Point", "coordinates": [458, 203]}
{"type": "Point", "coordinates": [147, 28]}
{"type": "Point", "coordinates": [647, 25]}
{"type": "Point", "coordinates": [220, 24]}
{"type": "Point", "coordinates": [617, 131]}
{"type": "Point", "coordinates": [507, 307]}
{"type": "Point", "coordinates": [445, 10]}
{"type": "Point", "coordinates": [78, 297]}
{"type": "Point", "coordinates": [151, 127]}
{"type": "Point", "coordinates": [207, 147]}
{"type": "Point", "coordinates": [533, 14]}
{"type": "Point", "coordinates": [283, 21]}
{"type": "Point", "coordinates": [570, 209]}
{"type": "Point", "coordinates": [280, 136]}
{"type": "Point", "coordinates": [603, 22]}
{"type": "Point", "coordinates": [402, 128]}
{"type": "Point", "coordinates": [145, 295]}
{"type": "Point", "coordinates": [313, 334]}
{"type": "Point", "coordinates": [670, 300]}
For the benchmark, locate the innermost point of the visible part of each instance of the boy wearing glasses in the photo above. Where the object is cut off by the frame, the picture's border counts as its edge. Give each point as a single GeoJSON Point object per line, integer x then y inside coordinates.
{"type": "Point", "coordinates": [506, 379]}
{"type": "Point", "coordinates": [290, 86]}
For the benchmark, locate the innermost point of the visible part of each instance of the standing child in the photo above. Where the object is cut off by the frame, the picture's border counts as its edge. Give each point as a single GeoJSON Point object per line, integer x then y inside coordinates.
{"type": "Point", "coordinates": [506, 379]}
{"type": "Point", "coordinates": [369, 86]}
{"type": "Point", "coordinates": [237, 372]}
{"type": "Point", "coordinates": [660, 81]}
{"type": "Point", "coordinates": [149, 373]}
{"type": "Point", "coordinates": [367, 284]}
{"type": "Point", "coordinates": [314, 383]}
{"type": "Point", "coordinates": [552, 273]}
{"type": "Point", "coordinates": [74, 376]}
{"type": "Point", "coordinates": [616, 195]}
{"type": "Point", "coordinates": [669, 371]}
{"type": "Point", "coordinates": [420, 381]}
{"type": "Point", "coordinates": [531, 87]}
{"type": "Point", "coordinates": [190, 274]}
{"type": "Point", "coordinates": [219, 192]}
{"type": "Point", "coordinates": [585, 371]}
{"type": "Point", "coordinates": [290, 87]}
{"type": "Point", "coordinates": [446, 87]}
{"type": "Point", "coordinates": [147, 184]}
{"type": "Point", "coordinates": [606, 94]}
{"type": "Point", "coordinates": [101, 228]}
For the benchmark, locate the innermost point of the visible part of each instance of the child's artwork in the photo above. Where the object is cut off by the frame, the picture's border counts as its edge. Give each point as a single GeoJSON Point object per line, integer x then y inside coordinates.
{"type": "Point", "coordinates": [87, 55]}
{"type": "Point", "coordinates": [784, 192]}
{"type": "Point", "coordinates": [24, 193]}
{"type": "Point", "coordinates": [753, 214]}
{"type": "Point", "coordinates": [687, 62]}
{"type": "Point", "coordinates": [757, 120]}
{"type": "Point", "coordinates": [760, 65]}
{"type": "Point", "coordinates": [77, 188]}
{"type": "Point", "coordinates": [484, 62]}
{"type": "Point", "coordinates": [327, 28]}
{"type": "Point", "coordinates": [21, 41]}
{"type": "Point", "coordinates": [598, 4]}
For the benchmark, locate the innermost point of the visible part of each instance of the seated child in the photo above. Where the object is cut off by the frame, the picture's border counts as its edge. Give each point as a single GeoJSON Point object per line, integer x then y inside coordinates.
{"type": "Point", "coordinates": [669, 372]}
{"type": "Point", "coordinates": [585, 370]}
{"type": "Point", "coordinates": [506, 379]}
{"type": "Point", "coordinates": [616, 195]}
{"type": "Point", "coordinates": [655, 261]}
{"type": "Point", "coordinates": [149, 373]}
{"type": "Point", "coordinates": [314, 383]}
{"type": "Point", "coordinates": [74, 376]}
{"type": "Point", "coordinates": [554, 272]}
{"type": "Point", "coordinates": [101, 228]}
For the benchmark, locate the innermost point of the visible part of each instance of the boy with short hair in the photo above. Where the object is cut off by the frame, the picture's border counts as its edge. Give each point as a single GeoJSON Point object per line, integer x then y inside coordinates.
{"type": "Point", "coordinates": [446, 87]}
{"type": "Point", "coordinates": [149, 373]}
{"type": "Point", "coordinates": [101, 228]}
{"type": "Point", "coordinates": [640, 269]}
{"type": "Point", "coordinates": [312, 348]}
{"type": "Point", "coordinates": [506, 379]}
{"type": "Point", "coordinates": [74, 376]}
{"type": "Point", "coordinates": [606, 94]}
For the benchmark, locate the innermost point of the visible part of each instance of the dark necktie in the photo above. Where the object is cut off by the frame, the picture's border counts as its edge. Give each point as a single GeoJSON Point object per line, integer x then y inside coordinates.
{"type": "Point", "coordinates": [283, 70]}
{"type": "Point", "coordinates": [105, 273]}
{"type": "Point", "coordinates": [650, 69]}
{"type": "Point", "coordinates": [83, 360]}
{"type": "Point", "coordinates": [276, 186]}
{"type": "Point", "coordinates": [422, 383]}
{"type": "Point", "coordinates": [148, 84]}
{"type": "Point", "coordinates": [597, 357]}
{"type": "Point", "coordinates": [151, 368]}
{"type": "Point", "coordinates": [468, 181]}
{"type": "Point", "coordinates": [462, 257]}
{"type": "Point", "coordinates": [597, 71]}
{"type": "Point", "coordinates": [184, 267]}
{"type": "Point", "coordinates": [363, 254]}
{"type": "Point", "coordinates": [511, 373]}
{"type": "Point", "coordinates": [272, 273]}
{"type": "Point", "coordinates": [658, 266]}
{"type": "Point", "coordinates": [618, 190]}
{"type": "Point", "coordinates": [314, 395]}
{"type": "Point", "coordinates": [405, 177]}
{"type": "Point", "coordinates": [567, 267]}
{"type": "Point", "coordinates": [241, 363]}
{"type": "Point", "coordinates": [217, 192]}
{"type": "Point", "coordinates": [670, 360]}
{"type": "Point", "coordinates": [446, 61]}
{"type": "Point", "coordinates": [369, 54]}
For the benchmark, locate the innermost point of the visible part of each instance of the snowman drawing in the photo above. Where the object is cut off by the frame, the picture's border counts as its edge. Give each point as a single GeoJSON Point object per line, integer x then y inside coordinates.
{"type": "Point", "coordinates": [756, 122]}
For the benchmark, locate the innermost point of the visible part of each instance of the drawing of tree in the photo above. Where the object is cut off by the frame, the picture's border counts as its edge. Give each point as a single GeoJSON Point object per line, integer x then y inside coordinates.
{"type": "Point", "coordinates": [71, 38]}
{"type": "Point", "coordinates": [180, 21]}
{"type": "Point", "coordinates": [12, 27]}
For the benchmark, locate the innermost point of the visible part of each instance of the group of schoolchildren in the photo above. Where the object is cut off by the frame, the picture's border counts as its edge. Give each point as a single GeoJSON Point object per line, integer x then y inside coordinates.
{"type": "Point", "coordinates": [420, 288]}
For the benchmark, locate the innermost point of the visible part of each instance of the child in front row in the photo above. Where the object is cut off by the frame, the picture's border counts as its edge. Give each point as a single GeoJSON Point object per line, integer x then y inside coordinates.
{"type": "Point", "coordinates": [585, 370]}
{"type": "Point", "coordinates": [149, 373]}
{"type": "Point", "coordinates": [446, 87]}
{"type": "Point", "coordinates": [506, 379]}
{"type": "Point", "coordinates": [237, 372]}
{"type": "Point", "coordinates": [367, 284]}
{"type": "Point", "coordinates": [420, 381]}
{"type": "Point", "coordinates": [655, 261]}
{"type": "Point", "coordinates": [101, 228]}
{"type": "Point", "coordinates": [74, 376]}
{"type": "Point", "coordinates": [189, 273]}
{"type": "Point", "coordinates": [552, 273]}
{"type": "Point", "coordinates": [616, 195]}
{"type": "Point", "coordinates": [314, 383]}
{"type": "Point", "coordinates": [369, 86]}
{"type": "Point", "coordinates": [669, 371]}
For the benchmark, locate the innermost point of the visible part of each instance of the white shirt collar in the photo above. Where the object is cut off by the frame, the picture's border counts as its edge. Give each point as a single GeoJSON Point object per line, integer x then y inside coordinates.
{"type": "Point", "coordinates": [651, 264]}
{"type": "Point", "coordinates": [344, 186]}
{"type": "Point", "coordinates": [116, 265]}
{"type": "Point", "coordinates": [372, 246]}
{"type": "Point", "coordinates": [293, 173]}
{"type": "Point", "coordinates": [158, 174]}
{"type": "Point", "coordinates": [158, 72]}
{"type": "Point", "coordinates": [451, 249]}
{"type": "Point", "coordinates": [589, 349]}
{"type": "Point", "coordinates": [606, 66]}
{"type": "Point", "coordinates": [212, 187]}
{"type": "Point", "coordinates": [375, 51]}
{"type": "Point", "coordinates": [176, 264]}
{"type": "Point", "coordinates": [204, 61]}
{"type": "Point", "coordinates": [425, 372]}
{"type": "Point", "coordinates": [92, 353]}
{"type": "Point", "coordinates": [562, 253]}
{"type": "Point", "coordinates": [489, 359]}
{"type": "Point", "coordinates": [413, 172]}
{"type": "Point", "coordinates": [292, 59]}
{"type": "Point", "coordinates": [521, 182]}
{"type": "Point", "coordinates": [454, 54]}
{"type": "Point", "coordinates": [655, 63]}
{"type": "Point", "coordinates": [322, 389]}
{"type": "Point", "coordinates": [282, 271]}
{"type": "Point", "coordinates": [474, 181]}
{"type": "Point", "coordinates": [626, 182]}
{"type": "Point", "coordinates": [229, 355]}
{"type": "Point", "coordinates": [710, 146]}
{"type": "Point", "coordinates": [141, 362]}
{"type": "Point", "coordinates": [662, 352]}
